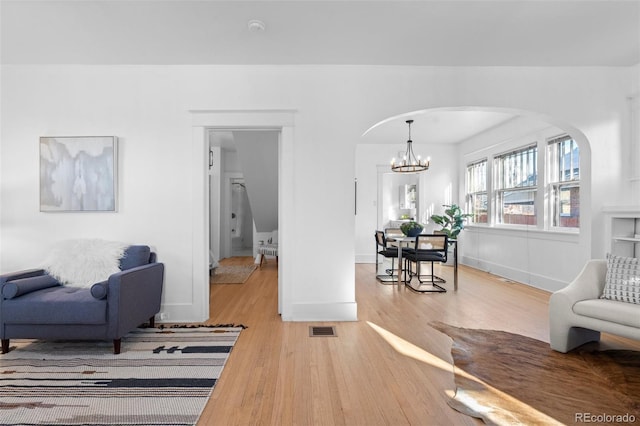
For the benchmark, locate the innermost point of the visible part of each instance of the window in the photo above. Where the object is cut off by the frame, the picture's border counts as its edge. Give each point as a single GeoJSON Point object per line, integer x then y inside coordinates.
{"type": "Point", "coordinates": [504, 189]}
{"type": "Point", "coordinates": [477, 198]}
{"type": "Point", "coordinates": [516, 186]}
{"type": "Point", "coordinates": [564, 182]}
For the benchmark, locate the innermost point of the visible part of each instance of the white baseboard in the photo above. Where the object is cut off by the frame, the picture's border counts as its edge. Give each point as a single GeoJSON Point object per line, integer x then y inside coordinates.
{"type": "Point", "coordinates": [531, 279]}
{"type": "Point", "coordinates": [365, 258]}
{"type": "Point", "coordinates": [324, 312]}
{"type": "Point", "coordinates": [181, 312]}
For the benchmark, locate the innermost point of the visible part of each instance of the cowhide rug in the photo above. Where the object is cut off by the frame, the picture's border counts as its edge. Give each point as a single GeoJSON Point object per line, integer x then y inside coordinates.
{"type": "Point", "coordinates": [505, 378]}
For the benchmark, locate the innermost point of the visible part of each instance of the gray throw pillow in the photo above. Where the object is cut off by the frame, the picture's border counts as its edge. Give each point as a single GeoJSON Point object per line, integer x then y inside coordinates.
{"type": "Point", "coordinates": [622, 282]}
{"type": "Point", "coordinates": [135, 256]}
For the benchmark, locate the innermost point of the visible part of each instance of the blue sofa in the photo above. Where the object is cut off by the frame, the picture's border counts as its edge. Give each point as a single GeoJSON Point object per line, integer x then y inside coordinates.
{"type": "Point", "coordinates": [34, 305]}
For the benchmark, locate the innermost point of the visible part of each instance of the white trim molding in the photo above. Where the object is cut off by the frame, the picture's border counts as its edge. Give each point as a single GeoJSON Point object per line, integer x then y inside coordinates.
{"type": "Point", "coordinates": [201, 122]}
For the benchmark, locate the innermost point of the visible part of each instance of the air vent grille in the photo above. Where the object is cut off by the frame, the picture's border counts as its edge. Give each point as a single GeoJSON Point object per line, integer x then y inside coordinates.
{"type": "Point", "coordinates": [322, 331]}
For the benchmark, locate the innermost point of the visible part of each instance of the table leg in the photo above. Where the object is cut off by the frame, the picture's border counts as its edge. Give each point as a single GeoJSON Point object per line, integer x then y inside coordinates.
{"type": "Point", "coordinates": [399, 266]}
{"type": "Point", "coordinates": [455, 266]}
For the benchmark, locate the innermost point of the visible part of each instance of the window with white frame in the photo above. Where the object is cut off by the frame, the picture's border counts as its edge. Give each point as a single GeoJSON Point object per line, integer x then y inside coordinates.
{"type": "Point", "coordinates": [477, 197]}
{"type": "Point", "coordinates": [516, 180]}
{"type": "Point", "coordinates": [563, 165]}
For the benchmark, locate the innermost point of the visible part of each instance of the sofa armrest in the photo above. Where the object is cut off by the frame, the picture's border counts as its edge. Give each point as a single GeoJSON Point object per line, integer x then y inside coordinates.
{"type": "Point", "coordinates": [27, 273]}
{"type": "Point", "coordinates": [589, 283]}
{"type": "Point", "coordinates": [134, 296]}
{"type": "Point", "coordinates": [566, 331]}
{"type": "Point", "coordinates": [19, 287]}
{"type": "Point", "coordinates": [15, 284]}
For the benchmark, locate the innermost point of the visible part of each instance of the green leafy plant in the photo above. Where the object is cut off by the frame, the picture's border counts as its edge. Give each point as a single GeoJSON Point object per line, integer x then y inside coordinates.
{"type": "Point", "coordinates": [411, 229]}
{"type": "Point", "coordinates": [452, 221]}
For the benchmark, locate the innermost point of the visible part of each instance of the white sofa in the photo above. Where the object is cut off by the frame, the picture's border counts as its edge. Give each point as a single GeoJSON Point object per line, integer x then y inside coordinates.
{"type": "Point", "coordinates": [577, 314]}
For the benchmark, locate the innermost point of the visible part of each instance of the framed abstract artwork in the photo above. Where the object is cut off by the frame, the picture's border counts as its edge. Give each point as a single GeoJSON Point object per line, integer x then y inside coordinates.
{"type": "Point", "coordinates": [78, 174]}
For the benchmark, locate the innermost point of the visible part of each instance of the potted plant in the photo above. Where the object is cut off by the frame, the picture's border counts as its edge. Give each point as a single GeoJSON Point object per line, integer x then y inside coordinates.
{"type": "Point", "coordinates": [452, 221]}
{"type": "Point", "coordinates": [411, 229]}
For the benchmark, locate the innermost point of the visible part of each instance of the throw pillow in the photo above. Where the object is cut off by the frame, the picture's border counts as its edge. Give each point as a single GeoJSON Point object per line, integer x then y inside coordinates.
{"type": "Point", "coordinates": [135, 256]}
{"type": "Point", "coordinates": [622, 282]}
{"type": "Point", "coordinates": [22, 286]}
{"type": "Point", "coordinates": [84, 262]}
{"type": "Point", "coordinates": [100, 290]}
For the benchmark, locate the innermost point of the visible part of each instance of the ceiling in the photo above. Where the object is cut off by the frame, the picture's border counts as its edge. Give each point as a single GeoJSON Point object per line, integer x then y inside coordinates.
{"type": "Point", "coordinates": [442, 127]}
{"type": "Point", "coordinates": [393, 32]}
{"type": "Point", "coordinates": [356, 32]}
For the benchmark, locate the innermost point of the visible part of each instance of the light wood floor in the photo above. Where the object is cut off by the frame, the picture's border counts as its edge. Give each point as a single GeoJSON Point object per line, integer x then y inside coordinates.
{"type": "Point", "coordinates": [384, 369]}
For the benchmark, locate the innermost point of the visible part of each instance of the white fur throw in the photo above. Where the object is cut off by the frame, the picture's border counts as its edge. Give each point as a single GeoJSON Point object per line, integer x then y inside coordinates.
{"type": "Point", "coordinates": [84, 262]}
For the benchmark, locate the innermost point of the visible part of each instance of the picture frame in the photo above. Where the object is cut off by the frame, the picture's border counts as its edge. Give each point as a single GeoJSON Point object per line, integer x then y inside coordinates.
{"type": "Point", "coordinates": [78, 173]}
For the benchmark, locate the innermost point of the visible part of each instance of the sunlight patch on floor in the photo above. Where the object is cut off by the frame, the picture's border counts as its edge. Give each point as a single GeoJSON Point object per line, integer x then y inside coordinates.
{"type": "Point", "coordinates": [410, 350]}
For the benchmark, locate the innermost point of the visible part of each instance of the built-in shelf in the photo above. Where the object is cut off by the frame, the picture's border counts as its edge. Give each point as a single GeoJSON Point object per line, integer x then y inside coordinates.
{"type": "Point", "coordinates": [623, 225]}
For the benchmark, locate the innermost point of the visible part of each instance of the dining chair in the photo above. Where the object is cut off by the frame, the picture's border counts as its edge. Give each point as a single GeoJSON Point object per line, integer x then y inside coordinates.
{"type": "Point", "coordinates": [428, 248]}
{"type": "Point", "coordinates": [388, 253]}
{"type": "Point", "coordinates": [393, 232]}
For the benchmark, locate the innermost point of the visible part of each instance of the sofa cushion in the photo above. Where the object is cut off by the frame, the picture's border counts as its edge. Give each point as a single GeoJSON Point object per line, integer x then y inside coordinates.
{"type": "Point", "coordinates": [610, 311]}
{"type": "Point", "coordinates": [55, 305]}
{"type": "Point", "coordinates": [16, 288]}
{"type": "Point", "coordinates": [622, 281]}
{"type": "Point", "coordinates": [135, 256]}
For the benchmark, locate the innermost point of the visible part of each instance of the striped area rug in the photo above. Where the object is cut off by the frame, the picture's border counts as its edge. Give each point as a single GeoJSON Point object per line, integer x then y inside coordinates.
{"type": "Point", "coordinates": [162, 377]}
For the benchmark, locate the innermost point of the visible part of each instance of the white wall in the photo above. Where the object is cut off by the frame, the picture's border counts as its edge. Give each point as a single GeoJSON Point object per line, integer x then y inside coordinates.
{"type": "Point", "coordinates": [258, 154]}
{"type": "Point", "coordinates": [147, 107]}
{"type": "Point", "coordinates": [633, 141]}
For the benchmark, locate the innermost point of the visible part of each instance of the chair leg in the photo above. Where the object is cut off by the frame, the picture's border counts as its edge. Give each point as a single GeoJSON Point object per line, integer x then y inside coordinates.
{"type": "Point", "coordinates": [389, 278]}
{"type": "Point", "coordinates": [393, 267]}
{"type": "Point", "coordinates": [116, 346]}
{"type": "Point", "coordinates": [434, 287]}
{"type": "Point", "coordinates": [152, 321]}
{"type": "Point", "coordinates": [5, 346]}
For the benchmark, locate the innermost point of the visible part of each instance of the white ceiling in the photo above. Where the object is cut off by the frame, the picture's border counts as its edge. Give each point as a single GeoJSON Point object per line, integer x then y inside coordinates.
{"type": "Point", "coordinates": [393, 32]}
{"type": "Point", "coordinates": [435, 127]}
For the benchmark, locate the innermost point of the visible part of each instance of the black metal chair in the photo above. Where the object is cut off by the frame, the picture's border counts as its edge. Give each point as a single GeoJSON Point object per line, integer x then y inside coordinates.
{"type": "Point", "coordinates": [389, 253]}
{"type": "Point", "coordinates": [428, 248]}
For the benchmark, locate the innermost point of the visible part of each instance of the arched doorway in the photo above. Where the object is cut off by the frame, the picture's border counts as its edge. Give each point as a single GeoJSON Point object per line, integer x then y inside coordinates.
{"type": "Point", "coordinates": [451, 151]}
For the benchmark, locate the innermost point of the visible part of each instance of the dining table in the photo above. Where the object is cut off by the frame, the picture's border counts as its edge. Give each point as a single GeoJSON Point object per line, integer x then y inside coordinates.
{"type": "Point", "coordinates": [402, 241]}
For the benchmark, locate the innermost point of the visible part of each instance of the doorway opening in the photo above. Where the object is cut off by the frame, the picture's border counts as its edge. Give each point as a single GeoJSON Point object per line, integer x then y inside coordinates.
{"type": "Point", "coordinates": [208, 175]}
{"type": "Point", "coordinates": [244, 199]}
{"type": "Point", "coordinates": [241, 229]}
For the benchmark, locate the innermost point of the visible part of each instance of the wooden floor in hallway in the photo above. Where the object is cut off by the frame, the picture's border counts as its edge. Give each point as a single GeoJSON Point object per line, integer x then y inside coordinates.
{"type": "Point", "coordinates": [384, 369]}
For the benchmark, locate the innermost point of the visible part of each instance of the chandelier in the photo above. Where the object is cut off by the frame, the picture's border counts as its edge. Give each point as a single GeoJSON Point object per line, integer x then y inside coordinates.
{"type": "Point", "coordinates": [410, 163]}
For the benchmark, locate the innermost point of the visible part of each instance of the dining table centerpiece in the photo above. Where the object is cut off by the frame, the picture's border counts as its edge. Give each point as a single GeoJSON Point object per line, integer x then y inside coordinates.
{"type": "Point", "coordinates": [411, 228]}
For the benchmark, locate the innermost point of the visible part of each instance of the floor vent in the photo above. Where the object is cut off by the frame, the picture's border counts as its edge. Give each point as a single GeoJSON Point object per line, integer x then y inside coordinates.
{"type": "Point", "coordinates": [322, 331]}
